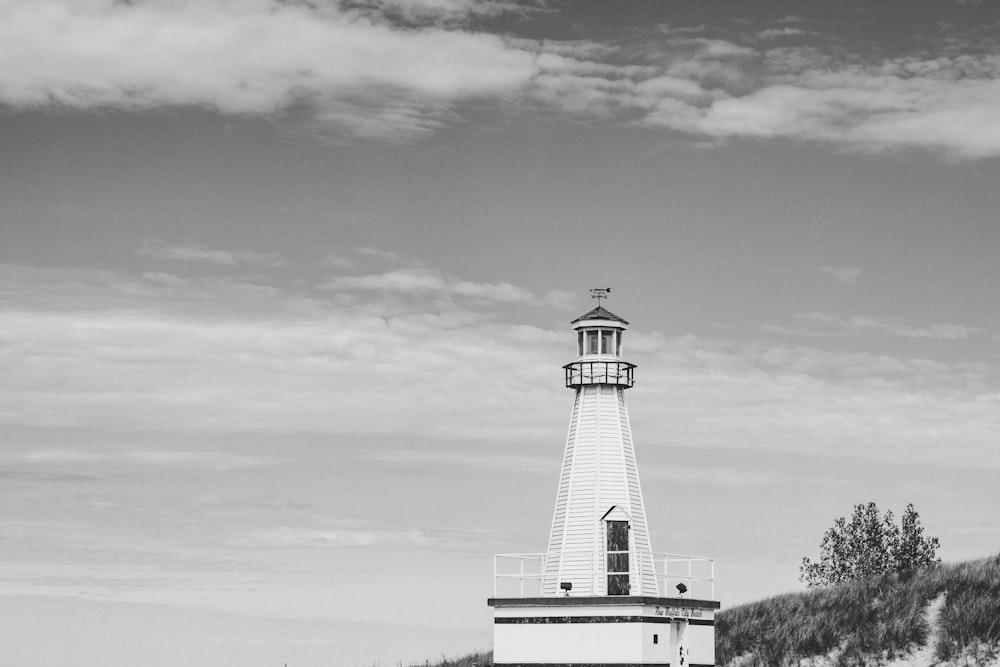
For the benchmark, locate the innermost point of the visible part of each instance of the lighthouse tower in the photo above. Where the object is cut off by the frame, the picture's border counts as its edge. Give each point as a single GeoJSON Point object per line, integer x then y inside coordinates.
{"type": "Point", "coordinates": [599, 506]}
{"type": "Point", "coordinates": [600, 595]}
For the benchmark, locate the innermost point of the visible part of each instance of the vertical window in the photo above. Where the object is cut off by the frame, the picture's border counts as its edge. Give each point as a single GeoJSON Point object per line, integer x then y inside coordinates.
{"type": "Point", "coordinates": [607, 346]}
{"type": "Point", "coordinates": [618, 344]}
{"type": "Point", "coordinates": [579, 340]}
{"type": "Point", "coordinates": [592, 342]}
{"type": "Point", "coordinates": [617, 558]}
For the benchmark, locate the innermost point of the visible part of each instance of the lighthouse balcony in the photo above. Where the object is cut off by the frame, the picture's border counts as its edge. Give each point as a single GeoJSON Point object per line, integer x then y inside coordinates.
{"type": "Point", "coordinates": [581, 373]}
{"type": "Point", "coordinates": [521, 575]}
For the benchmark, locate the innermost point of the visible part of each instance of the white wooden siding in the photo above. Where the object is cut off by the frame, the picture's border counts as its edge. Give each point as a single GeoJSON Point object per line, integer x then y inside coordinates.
{"type": "Point", "coordinates": [599, 471]}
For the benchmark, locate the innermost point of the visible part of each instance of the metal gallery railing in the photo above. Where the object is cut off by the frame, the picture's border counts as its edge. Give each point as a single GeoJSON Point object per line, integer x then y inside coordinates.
{"type": "Point", "coordinates": [518, 575]}
{"type": "Point", "coordinates": [695, 572]}
{"type": "Point", "coordinates": [521, 575]}
{"type": "Point", "coordinates": [618, 373]}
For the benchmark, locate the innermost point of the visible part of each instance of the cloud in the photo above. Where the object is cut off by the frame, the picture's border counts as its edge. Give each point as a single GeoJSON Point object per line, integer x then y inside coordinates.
{"type": "Point", "coordinates": [801, 399]}
{"type": "Point", "coordinates": [777, 33]}
{"type": "Point", "coordinates": [424, 358]}
{"type": "Point", "coordinates": [355, 71]}
{"type": "Point", "coordinates": [205, 355]}
{"type": "Point", "coordinates": [846, 275]}
{"type": "Point", "coordinates": [465, 458]}
{"type": "Point", "coordinates": [199, 459]}
{"type": "Point", "coordinates": [859, 324]}
{"type": "Point", "coordinates": [339, 262]}
{"type": "Point", "coordinates": [443, 10]}
{"type": "Point", "coordinates": [207, 460]}
{"type": "Point", "coordinates": [562, 299]}
{"type": "Point", "coordinates": [949, 103]}
{"type": "Point", "coordinates": [339, 537]}
{"type": "Point", "coordinates": [425, 281]}
{"type": "Point", "coordinates": [59, 456]}
{"type": "Point", "coordinates": [364, 255]}
{"type": "Point", "coordinates": [369, 538]}
{"type": "Point", "coordinates": [709, 475]}
{"type": "Point", "coordinates": [190, 253]}
{"type": "Point", "coordinates": [378, 253]}
{"type": "Point", "coordinates": [164, 278]}
{"type": "Point", "coordinates": [422, 281]}
{"type": "Point", "coordinates": [399, 71]}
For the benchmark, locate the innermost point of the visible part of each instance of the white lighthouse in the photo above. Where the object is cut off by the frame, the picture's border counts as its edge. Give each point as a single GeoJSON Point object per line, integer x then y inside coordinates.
{"type": "Point", "coordinates": [600, 595]}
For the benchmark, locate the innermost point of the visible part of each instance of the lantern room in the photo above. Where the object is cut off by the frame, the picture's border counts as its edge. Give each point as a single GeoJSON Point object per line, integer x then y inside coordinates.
{"type": "Point", "coordinates": [599, 350]}
{"type": "Point", "coordinates": [599, 333]}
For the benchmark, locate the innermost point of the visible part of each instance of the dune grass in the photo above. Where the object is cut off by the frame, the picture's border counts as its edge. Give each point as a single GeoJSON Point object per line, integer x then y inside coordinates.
{"type": "Point", "coordinates": [881, 617]}
{"type": "Point", "coordinates": [477, 659]}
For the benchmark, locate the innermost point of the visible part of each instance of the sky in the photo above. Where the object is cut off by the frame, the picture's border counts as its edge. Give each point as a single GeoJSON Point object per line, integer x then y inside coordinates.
{"type": "Point", "coordinates": [285, 292]}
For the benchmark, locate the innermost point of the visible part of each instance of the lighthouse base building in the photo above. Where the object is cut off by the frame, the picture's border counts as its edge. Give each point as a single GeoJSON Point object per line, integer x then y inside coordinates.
{"type": "Point", "coordinates": [599, 596]}
{"type": "Point", "coordinates": [607, 630]}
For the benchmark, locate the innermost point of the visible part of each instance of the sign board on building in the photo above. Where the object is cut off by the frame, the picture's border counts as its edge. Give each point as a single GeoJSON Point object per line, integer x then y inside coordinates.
{"type": "Point", "coordinates": [678, 612]}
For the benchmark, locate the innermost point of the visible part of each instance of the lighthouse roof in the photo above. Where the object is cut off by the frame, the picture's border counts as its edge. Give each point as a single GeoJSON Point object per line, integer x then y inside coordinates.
{"type": "Point", "coordinates": [599, 313]}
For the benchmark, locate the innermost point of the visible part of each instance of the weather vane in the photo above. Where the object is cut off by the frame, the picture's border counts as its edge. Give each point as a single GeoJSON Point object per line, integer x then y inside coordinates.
{"type": "Point", "coordinates": [599, 294]}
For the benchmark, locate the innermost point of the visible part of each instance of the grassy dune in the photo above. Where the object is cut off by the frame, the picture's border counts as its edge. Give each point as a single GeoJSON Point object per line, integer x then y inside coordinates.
{"type": "Point", "coordinates": [873, 621]}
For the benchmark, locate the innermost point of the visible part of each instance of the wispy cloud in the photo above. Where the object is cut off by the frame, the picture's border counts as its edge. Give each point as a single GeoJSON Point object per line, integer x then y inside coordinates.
{"type": "Point", "coordinates": [427, 281]}
{"type": "Point", "coordinates": [445, 10]}
{"type": "Point", "coordinates": [859, 324]}
{"type": "Point", "coordinates": [714, 475]}
{"type": "Point", "coordinates": [945, 103]}
{"type": "Point", "coordinates": [165, 278]}
{"type": "Point", "coordinates": [522, 463]}
{"type": "Point", "coordinates": [300, 363]}
{"type": "Point", "coordinates": [417, 280]}
{"type": "Point", "coordinates": [61, 456]}
{"type": "Point", "coordinates": [339, 262]}
{"type": "Point", "coordinates": [284, 537]}
{"type": "Point", "coordinates": [849, 275]}
{"type": "Point", "coordinates": [378, 253]}
{"type": "Point", "coordinates": [174, 458]}
{"type": "Point", "coordinates": [777, 33]}
{"type": "Point", "coordinates": [193, 253]}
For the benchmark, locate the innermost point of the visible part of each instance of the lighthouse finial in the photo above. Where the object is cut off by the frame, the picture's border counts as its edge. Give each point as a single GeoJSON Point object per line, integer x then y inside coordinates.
{"type": "Point", "coordinates": [600, 293]}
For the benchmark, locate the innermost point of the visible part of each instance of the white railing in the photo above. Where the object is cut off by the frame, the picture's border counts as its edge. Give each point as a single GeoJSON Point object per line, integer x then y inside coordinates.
{"type": "Point", "coordinates": [695, 572]}
{"type": "Point", "coordinates": [520, 575]}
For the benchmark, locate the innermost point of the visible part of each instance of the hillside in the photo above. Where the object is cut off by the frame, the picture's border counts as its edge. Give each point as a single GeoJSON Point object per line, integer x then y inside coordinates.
{"type": "Point", "coordinates": [942, 615]}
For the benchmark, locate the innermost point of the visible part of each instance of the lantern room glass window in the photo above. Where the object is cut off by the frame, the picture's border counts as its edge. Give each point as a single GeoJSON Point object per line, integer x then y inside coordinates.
{"type": "Point", "coordinates": [599, 341]}
{"type": "Point", "coordinates": [607, 341]}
